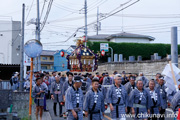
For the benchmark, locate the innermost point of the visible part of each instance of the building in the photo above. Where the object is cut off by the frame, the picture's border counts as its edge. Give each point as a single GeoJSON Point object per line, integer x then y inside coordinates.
{"type": "Point", "coordinates": [71, 48]}
{"type": "Point", "coordinates": [121, 38]}
{"type": "Point", "coordinates": [60, 63]}
{"type": "Point", "coordinates": [47, 60]}
{"type": "Point", "coordinates": [10, 42]}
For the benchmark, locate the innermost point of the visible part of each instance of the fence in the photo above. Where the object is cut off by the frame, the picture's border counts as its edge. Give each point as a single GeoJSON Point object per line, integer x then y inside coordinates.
{"type": "Point", "coordinates": [5, 85]}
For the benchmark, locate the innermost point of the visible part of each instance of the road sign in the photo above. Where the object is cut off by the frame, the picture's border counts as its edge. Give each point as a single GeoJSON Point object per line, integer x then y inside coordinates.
{"type": "Point", "coordinates": [104, 46]}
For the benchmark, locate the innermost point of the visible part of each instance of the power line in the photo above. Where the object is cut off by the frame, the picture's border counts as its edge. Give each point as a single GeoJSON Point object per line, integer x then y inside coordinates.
{"type": "Point", "coordinates": [97, 5]}
{"type": "Point", "coordinates": [148, 16]}
{"type": "Point", "coordinates": [69, 3]}
{"type": "Point", "coordinates": [100, 20]}
{"type": "Point", "coordinates": [29, 10]}
{"type": "Point", "coordinates": [74, 34]}
{"type": "Point", "coordinates": [42, 9]}
{"type": "Point", "coordinates": [71, 19]}
{"type": "Point", "coordinates": [47, 14]}
{"type": "Point", "coordinates": [148, 25]}
{"type": "Point", "coordinates": [65, 8]}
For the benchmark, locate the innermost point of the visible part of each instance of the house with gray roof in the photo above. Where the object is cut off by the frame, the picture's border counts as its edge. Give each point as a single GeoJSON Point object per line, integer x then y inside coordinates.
{"type": "Point", "coordinates": [47, 60]}
{"type": "Point", "coordinates": [121, 38]}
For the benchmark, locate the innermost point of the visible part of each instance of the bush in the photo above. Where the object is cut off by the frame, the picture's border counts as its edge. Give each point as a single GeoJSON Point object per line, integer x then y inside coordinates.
{"type": "Point", "coordinates": [133, 49]}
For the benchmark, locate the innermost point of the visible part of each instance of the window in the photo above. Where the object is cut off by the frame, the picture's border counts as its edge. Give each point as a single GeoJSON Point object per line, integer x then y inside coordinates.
{"type": "Point", "coordinates": [44, 67]}
{"type": "Point", "coordinates": [44, 58]}
{"type": "Point", "coordinates": [51, 58]}
{"type": "Point", "coordinates": [51, 67]}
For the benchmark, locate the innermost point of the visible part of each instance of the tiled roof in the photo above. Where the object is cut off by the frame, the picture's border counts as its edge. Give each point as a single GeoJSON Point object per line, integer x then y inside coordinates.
{"type": "Point", "coordinates": [48, 53]}
{"type": "Point", "coordinates": [119, 35]}
{"type": "Point", "coordinates": [130, 35]}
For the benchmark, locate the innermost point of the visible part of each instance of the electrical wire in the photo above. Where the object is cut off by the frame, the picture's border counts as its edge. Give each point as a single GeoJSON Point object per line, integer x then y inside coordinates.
{"type": "Point", "coordinates": [90, 9]}
{"type": "Point", "coordinates": [42, 9]}
{"type": "Point", "coordinates": [100, 20]}
{"type": "Point", "coordinates": [47, 14]}
{"type": "Point", "coordinates": [66, 7]}
{"type": "Point", "coordinates": [69, 3]}
{"type": "Point", "coordinates": [157, 24]}
{"type": "Point", "coordinates": [29, 11]}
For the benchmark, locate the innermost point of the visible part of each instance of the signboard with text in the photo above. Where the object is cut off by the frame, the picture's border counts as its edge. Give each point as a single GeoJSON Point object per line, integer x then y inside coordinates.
{"type": "Point", "coordinates": [104, 46]}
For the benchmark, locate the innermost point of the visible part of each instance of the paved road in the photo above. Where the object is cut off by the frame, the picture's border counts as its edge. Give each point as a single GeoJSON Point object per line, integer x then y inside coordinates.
{"type": "Point", "coordinates": [50, 107]}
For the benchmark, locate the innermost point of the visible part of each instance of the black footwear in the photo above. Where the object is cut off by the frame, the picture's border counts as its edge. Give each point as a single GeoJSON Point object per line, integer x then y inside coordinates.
{"type": "Point", "coordinates": [61, 115]}
{"type": "Point", "coordinates": [46, 110]}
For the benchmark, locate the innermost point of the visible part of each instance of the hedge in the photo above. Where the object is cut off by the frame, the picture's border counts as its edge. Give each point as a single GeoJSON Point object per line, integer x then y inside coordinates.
{"type": "Point", "coordinates": [134, 49]}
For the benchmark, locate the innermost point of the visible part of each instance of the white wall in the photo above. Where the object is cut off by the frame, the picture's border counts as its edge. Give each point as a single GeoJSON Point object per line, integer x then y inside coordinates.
{"type": "Point", "coordinates": [130, 40]}
{"type": "Point", "coordinates": [5, 42]}
{"type": "Point", "coordinates": [98, 40]}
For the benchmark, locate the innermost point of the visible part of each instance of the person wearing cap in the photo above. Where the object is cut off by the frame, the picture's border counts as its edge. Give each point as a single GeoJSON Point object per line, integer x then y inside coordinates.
{"type": "Point", "coordinates": [117, 99]}
{"type": "Point", "coordinates": [74, 100]}
{"type": "Point", "coordinates": [67, 84]}
{"type": "Point", "coordinates": [94, 102]}
{"type": "Point", "coordinates": [129, 86]}
{"type": "Point", "coordinates": [56, 94]}
{"type": "Point", "coordinates": [38, 93]}
{"type": "Point", "coordinates": [163, 96]}
{"type": "Point", "coordinates": [140, 101]}
{"type": "Point", "coordinates": [155, 99]}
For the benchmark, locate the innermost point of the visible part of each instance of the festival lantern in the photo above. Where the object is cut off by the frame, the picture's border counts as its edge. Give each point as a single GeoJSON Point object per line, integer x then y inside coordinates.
{"type": "Point", "coordinates": [84, 38]}
{"type": "Point", "coordinates": [62, 53]}
{"type": "Point", "coordinates": [102, 53]}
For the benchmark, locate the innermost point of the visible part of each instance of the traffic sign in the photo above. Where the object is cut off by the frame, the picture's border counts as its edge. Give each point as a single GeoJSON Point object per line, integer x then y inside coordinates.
{"type": "Point", "coordinates": [104, 46]}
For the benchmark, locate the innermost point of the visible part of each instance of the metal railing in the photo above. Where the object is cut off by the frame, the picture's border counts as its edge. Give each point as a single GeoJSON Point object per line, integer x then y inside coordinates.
{"type": "Point", "coordinates": [5, 85]}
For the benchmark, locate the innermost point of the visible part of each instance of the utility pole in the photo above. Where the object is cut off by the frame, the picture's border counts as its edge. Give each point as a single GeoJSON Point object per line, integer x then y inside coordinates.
{"type": "Point", "coordinates": [38, 65]}
{"type": "Point", "coordinates": [85, 8]}
{"type": "Point", "coordinates": [174, 46]}
{"type": "Point", "coordinates": [97, 21]}
{"type": "Point", "coordinates": [22, 48]}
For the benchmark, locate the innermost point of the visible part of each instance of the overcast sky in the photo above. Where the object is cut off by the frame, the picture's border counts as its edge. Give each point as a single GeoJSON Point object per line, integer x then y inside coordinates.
{"type": "Point", "coordinates": [147, 17]}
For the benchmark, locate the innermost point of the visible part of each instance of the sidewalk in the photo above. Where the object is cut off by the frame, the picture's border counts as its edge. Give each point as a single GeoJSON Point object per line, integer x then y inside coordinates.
{"type": "Point", "coordinates": [46, 115]}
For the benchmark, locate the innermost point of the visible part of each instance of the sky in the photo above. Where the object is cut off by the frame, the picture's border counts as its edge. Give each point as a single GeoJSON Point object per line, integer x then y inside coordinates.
{"type": "Point", "coordinates": [147, 17]}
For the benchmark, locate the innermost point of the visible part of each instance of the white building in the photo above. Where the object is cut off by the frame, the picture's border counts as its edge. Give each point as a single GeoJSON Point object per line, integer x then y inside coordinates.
{"type": "Point", "coordinates": [121, 38]}
{"type": "Point", "coordinates": [10, 42]}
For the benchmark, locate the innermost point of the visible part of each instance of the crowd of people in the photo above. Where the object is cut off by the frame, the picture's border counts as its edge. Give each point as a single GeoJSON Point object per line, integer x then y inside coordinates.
{"type": "Point", "coordinates": [89, 95]}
